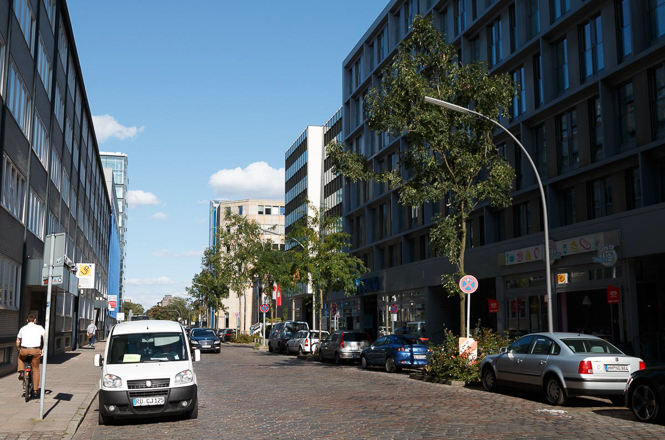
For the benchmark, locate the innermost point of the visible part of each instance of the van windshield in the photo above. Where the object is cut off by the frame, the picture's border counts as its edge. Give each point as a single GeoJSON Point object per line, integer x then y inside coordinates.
{"type": "Point", "coordinates": [147, 347]}
{"type": "Point", "coordinates": [296, 327]}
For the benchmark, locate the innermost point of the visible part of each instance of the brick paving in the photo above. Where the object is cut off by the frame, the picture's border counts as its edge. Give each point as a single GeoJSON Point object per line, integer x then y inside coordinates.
{"type": "Point", "coordinates": [247, 394]}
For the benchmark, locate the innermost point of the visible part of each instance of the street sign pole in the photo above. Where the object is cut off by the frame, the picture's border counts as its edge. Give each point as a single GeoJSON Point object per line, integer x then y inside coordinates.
{"type": "Point", "coordinates": [264, 328]}
{"type": "Point", "coordinates": [468, 315]}
{"type": "Point", "coordinates": [47, 323]}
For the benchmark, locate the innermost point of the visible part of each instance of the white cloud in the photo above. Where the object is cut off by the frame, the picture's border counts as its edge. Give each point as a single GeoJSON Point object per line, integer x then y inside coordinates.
{"type": "Point", "coordinates": [160, 281]}
{"type": "Point", "coordinates": [257, 180]}
{"type": "Point", "coordinates": [202, 202]}
{"type": "Point", "coordinates": [107, 127]}
{"type": "Point", "coordinates": [168, 253]}
{"type": "Point", "coordinates": [159, 216]}
{"type": "Point", "coordinates": [137, 197]}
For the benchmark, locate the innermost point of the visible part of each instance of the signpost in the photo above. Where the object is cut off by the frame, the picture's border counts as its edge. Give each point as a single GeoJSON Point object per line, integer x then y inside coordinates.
{"type": "Point", "coordinates": [264, 309]}
{"type": "Point", "coordinates": [468, 284]}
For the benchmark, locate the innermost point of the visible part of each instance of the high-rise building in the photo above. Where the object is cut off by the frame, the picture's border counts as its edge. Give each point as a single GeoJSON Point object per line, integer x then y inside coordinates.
{"type": "Point", "coordinates": [50, 178]}
{"type": "Point", "coordinates": [242, 308]}
{"type": "Point", "coordinates": [116, 163]}
{"type": "Point", "coordinates": [590, 112]}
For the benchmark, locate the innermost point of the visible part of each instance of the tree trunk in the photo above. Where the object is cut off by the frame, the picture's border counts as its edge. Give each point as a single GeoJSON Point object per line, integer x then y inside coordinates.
{"type": "Point", "coordinates": [320, 313]}
{"type": "Point", "coordinates": [462, 302]}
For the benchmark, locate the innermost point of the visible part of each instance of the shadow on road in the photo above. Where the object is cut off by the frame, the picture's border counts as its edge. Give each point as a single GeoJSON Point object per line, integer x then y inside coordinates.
{"type": "Point", "coordinates": [59, 398]}
{"type": "Point", "coordinates": [62, 358]}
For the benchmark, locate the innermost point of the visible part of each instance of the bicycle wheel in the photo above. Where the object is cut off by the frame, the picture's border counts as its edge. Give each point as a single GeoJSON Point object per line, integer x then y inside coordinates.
{"type": "Point", "coordinates": [27, 385]}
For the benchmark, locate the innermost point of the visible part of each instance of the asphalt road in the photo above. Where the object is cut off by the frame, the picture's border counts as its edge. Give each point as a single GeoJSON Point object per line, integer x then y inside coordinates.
{"type": "Point", "coordinates": [247, 394]}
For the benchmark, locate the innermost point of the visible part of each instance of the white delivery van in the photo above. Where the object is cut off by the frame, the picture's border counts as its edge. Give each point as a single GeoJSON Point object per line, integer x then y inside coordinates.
{"type": "Point", "coordinates": [147, 371]}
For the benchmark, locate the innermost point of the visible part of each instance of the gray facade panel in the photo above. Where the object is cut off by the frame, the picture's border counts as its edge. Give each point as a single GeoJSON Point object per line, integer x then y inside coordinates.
{"type": "Point", "coordinates": [15, 144]}
{"type": "Point", "coordinates": [11, 239]}
{"type": "Point", "coordinates": [38, 177]}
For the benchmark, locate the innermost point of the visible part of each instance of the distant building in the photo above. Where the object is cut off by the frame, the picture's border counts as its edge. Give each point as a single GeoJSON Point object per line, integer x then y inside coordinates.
{"type": "Point", "coordinates": [269, 214]}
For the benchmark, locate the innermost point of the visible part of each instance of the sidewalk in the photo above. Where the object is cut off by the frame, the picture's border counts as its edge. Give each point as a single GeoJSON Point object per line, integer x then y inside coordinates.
{"type": "Point", "coordinates": [71, 386]}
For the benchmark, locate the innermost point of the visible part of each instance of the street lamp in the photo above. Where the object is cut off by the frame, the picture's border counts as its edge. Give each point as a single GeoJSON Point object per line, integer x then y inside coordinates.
{"type": "Point", "coordinates": [466, 111]}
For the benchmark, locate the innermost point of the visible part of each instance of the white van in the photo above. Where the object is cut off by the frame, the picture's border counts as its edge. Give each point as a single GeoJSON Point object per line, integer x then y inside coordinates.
{"type": "Point", "coordinates": [147, 371]}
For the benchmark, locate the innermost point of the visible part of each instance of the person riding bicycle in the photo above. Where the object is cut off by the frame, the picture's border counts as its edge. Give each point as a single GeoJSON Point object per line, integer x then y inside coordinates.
{"type": "Point", "coordinates": [29, 342]}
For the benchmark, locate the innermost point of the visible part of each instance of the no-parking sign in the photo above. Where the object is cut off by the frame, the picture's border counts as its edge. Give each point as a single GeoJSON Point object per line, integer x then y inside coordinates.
{"type": "Point", "coordinates": [468, 284]}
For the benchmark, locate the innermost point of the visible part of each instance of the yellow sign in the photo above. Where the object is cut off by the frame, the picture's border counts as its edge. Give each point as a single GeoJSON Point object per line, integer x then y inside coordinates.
{"type": "Point", "coordinates": [85, 270]}
{"type": "Point", "coordinates": [562, 278]}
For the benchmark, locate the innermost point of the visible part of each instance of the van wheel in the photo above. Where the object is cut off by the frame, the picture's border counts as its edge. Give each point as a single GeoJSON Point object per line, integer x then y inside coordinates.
{"type": "Point", "coordinates": [104, 420]}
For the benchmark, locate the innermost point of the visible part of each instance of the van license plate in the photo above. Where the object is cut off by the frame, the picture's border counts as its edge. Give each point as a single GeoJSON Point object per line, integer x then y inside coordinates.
{"type": "Point", "coordinates": [149, 401]}
{"type": "Point", "coordinates": [613, 368]}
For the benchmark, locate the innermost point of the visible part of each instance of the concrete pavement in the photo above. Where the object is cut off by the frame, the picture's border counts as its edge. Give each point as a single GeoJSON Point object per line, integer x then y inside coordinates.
{"type": "Point", "coordinates": [72, 383]}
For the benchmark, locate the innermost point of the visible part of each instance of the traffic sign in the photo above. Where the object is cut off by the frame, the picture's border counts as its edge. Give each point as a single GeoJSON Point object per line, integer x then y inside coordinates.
{"type": "Point", "coordinates": [393, 308]}
{"type": "Point", "coordinates": [468, 284]}
{"type": "Point", "coordinates": [334, 308]}
{"type": "Point", "coordinates": [265, 308]}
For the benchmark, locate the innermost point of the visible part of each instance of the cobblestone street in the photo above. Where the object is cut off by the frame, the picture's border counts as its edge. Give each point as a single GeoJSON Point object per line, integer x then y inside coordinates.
{"type": "Point", "coordinates": [249, 394]}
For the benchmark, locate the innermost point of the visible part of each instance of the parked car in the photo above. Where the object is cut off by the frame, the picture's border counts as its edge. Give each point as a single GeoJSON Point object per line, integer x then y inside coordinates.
{"type": "Point", "coordinates": [343, 345]}
{"type": "Point", "coordinates": [645, 394]}
{"type": "Point", "coordinates": [562, 365]}
{"type": "Point", "coordinates": [417, 329]}
{"type": "Point", "coordinates": [204, 339]}
{"type": "Point", "coordinates": [226, 334]}
{"type": "Point", "coordinates": [395, 352]}
{"type": "Point", "coordinates": [147, 371]}
{"type": "Point", "coordinates": [303, 341]}
{"type": "Point", "coordinates": [282, 332]}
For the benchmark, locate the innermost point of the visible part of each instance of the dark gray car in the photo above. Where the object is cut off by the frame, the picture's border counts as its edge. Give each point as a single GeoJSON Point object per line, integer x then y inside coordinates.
{"type": "Point", "coordinates": [344, 345]}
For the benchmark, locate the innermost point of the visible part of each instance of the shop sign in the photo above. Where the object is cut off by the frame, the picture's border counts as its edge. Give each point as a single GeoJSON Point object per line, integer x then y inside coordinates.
{"type": "Point", "coordinates": [607, 256]}
{"type": "Point", "coordinates": [493, 305]}
{"type": "Point", "coordinates": [613, 295]}
{"type": "Point", "coordinates": [562, 278]}
{"type": "Point", "coordinates": [113, 302]}
{"type": "Point", "coordinates": [372, 284]}
{"type": "Point", "coordinates": [468, 347]}
{"type": "Point", "coordinates": [558, 249]}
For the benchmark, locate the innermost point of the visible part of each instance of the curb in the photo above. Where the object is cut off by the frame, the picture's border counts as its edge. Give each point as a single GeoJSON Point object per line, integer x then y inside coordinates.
{"type": "Point", "coordinates": [80, 415]}
{"type": "Point", "coordinates": [452, 383]}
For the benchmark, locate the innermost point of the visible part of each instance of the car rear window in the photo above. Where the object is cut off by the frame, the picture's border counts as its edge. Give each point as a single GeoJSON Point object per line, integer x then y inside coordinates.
{"type": "Point", "coordinates": [356, 337]}
{"type": "Point", "coordinates": [591, 346]}
{"type": "Point", "coordinates": [408, 341]}
{"type": "Point", "coordinates": [316, 334]}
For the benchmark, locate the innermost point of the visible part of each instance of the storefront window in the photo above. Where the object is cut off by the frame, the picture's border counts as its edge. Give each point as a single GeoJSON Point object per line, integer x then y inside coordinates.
{"type": "Point", "coordinates": [527, 314]}
{"type": "Point", "coordinates": [410, 311]}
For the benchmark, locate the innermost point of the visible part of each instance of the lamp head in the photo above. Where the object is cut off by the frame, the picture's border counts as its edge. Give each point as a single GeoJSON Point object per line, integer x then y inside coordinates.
{"type": "Point", "coordinates": [446, 104]}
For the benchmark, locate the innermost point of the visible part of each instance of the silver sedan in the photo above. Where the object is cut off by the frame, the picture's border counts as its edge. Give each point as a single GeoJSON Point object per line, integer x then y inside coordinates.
{"type": "Point", "coordinates": [562, 365]}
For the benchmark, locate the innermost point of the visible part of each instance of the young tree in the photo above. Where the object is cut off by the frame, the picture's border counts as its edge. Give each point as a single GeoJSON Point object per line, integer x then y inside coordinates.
{"type": "Point", "coordinates": [450, 156]}
{"type": "Point", "coordinates": [275, 267]}
{"type": "Point", "coordinates": [136, 309]}
{"type": "Point", "coordinates": [210, 286]}
{"type": "Point", "coordinates": [319, 246]}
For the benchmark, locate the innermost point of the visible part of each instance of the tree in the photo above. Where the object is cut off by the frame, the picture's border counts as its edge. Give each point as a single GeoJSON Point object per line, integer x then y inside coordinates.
{"type": "Point", "coordinates": [275, 267]}
{"type": "Point", "coordinates": [162, 313]}
{"type": "Point", "coordinates": [209, 287]}
{"type": "Point", "coordinates": [450, 156]}
{"type": "Point", "coordinates": [321, 258]}
{"type": "Point", "coordinates": [136, 309]}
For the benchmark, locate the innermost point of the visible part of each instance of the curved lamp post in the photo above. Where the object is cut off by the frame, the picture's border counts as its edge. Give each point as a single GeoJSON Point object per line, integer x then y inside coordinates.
{"type": "Point", "coordinates": [546, 249]}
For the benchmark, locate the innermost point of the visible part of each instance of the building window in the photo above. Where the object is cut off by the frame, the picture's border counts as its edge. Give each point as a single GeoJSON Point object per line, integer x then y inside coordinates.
{"type": "Point", "coordinates": [518, 104]}
{"type": "Point", "coordinates": [62, 44]}
{"type": "Point", "coordinates": [597, 152]}
{"type": "Point", "coordinates": [519, 174]}
{"type": "Point", "coordinates": [522, 219]}
{"type": "Point", "coordinates": [568, 216]}
{"type": "Point", "coordinates": [494, 46]}
{"type": "Point", "coordinates": [475, 49]}
{"type": "Point", "coordinates": [44, 68]}
{"type": "Point", "coordinates": [658, 97]}
{"type": "Point", "coordinates": [558, 8]}
{"type": "Point", "coordinates": [634, 188]}
{"type": "Point", "coordinates": [500, 226]}
{"type": "Point", "coordinates": [424, 247]}
{"type": "Point", "coordinates": [68, 133]}
{"type": "Point", "coordinates": [10, 279]}
{"type": "Point", "coordinates": [538, 80]}
{"type": "Point", "coordinates": [397, 17]}
{"type": "Point", "coordinates": [26, 20]}
{"type": "Point", "coordinates": [444, 25]}
{"type": "Point", "coordinates": [592, 47]}
{"type": "Point", "coordinates": [561, 66]}
{"type": "Point", "coordinates": [567, 141]}
{"type": "Point", "coordinates": [357, 72]}
{"type": "Point", "coordinates": [13, 189]}
{"type": "Point", "coordinates": [261, 209]}
{"type": "Point", "coordinates": [501, 150]}
{"type": "Point", "coordinates": [40, 141]}
{"type": "Point", "coordinates": [56, 169]}
{"type": "Point", "coordinates": [626, 114]}
{"type": "Point", "coordinates": [534, 17]}
{"type": "Point", "coordinates": [59, 106]}
{"type": "Point", "coordinates": [18, 100]}
{"type": "Point", "coordinates": [268, 210]}
{"type": "Point", "coordinates": [513, 28]}
{"type": "Point", "coordinates": [240, 210]}
{"type": "Point", "coordinates": [460, 16]}
{"type": "Point", "coordinates": [36, 215]}
{"type": "Point", "coordinates": [600, 197]}
{"type": "Point", "coordinates": [625, 42]}
{"type": "Point", "coordinates": [381, 46]}
{"type": "Point", "coordinates": [50, 12]}
{"type": "Point", "coordinates": [469, 234]}
{"type": "Point", "coordinates": [540, 150]}
{"type": "Point", "coordinates": [384, 221]}
{"type": "Point", "coordinates": [656, 18]}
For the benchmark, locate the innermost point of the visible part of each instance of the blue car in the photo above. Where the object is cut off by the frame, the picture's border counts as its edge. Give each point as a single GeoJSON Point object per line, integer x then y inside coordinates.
{"type": "Point", "coordinates": [395, 352]}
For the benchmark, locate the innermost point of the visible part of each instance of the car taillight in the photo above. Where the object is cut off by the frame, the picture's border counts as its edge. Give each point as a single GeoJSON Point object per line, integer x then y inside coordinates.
{"type": "Point", "coordinates": [306, 342]}
{"type": "Point", "coordinates": [585, 368]}
{"type": "Point", "coordinates": [342, 343]}
{"type": "Point", "coordinates": [642, 365]}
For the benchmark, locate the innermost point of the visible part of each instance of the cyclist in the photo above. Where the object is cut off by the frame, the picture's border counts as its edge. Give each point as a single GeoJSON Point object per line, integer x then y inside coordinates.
{"type": "Point", "coordinates": [29, 342]}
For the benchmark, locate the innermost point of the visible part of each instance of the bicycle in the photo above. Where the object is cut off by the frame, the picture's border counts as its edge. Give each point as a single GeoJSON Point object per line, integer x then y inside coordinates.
{"type": "Point", "coordinates": [28, 386]}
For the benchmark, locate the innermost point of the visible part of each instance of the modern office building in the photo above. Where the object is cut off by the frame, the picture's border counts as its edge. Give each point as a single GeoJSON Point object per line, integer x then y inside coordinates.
{"type": "Point", "coordinates": [269, 214]}
{"type": "Point", "coordinates": [51, 177]}
{"type": "Point", "coordinates": [116, 165]}
{"type": "Point", "coordinates": [590, 112]}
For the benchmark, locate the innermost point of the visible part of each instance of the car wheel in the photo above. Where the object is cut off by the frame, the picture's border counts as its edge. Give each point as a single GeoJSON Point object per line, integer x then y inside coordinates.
{"type": "Point", "coordinates": [644, 403]}
{"type": "Point", "coordinates": [300, 352]}
{"type": "Point", "coordinates": [320, 356]}
{"type": "Point", "coordinates": [338, 360]}
{"type": "Point", "coordinates": [489, 380]}
{"type": "Point", "coordinates": [554, 392]}
{"type": "Point", "coordinates": [363, 362]}
{"type": "Point", "coordinates": [269, 347]}
{"type": "Point", "coordinates": [390, 366]}
{"type": "Point", "coordinates": [104, 420]}
{"type": "Point", "coordinates": [618, 401]}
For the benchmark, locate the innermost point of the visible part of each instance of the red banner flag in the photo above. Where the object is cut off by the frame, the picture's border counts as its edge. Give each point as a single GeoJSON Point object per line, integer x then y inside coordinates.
{"type": "Point", "coordinates": [279, 296]}
{"type": "Point", "coordinates": [494, 305]}
{"type": "Point", "coordinates": [613, 295]}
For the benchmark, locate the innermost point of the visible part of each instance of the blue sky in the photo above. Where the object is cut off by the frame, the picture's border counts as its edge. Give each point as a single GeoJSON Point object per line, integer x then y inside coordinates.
{"type": "Point", "coordinates": [191, 90]}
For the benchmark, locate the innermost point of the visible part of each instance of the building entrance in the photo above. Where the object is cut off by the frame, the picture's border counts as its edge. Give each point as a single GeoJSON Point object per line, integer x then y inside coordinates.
{"type": "Point", "coordinates": [587, 311]}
